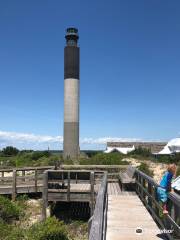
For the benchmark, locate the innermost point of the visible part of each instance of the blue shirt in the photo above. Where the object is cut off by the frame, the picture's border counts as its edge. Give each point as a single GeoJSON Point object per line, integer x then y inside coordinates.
{"type": "Point", "coordinates": [166, 180]}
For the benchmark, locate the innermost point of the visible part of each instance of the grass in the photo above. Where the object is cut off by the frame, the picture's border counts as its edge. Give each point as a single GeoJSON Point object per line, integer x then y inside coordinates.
{"type": "Point", "coordinates": [10, 211]}
{"type": "Point", "coordinates": [104, 159]}
{"type": "Point", "coordinates": [15, 224]}
{"type": "Point", "coordinates": [145, 169]}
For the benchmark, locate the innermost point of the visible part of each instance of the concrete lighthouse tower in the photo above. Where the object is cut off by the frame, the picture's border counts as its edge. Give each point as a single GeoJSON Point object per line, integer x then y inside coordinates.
{"type": "Point", "coordinates": [71, 94]}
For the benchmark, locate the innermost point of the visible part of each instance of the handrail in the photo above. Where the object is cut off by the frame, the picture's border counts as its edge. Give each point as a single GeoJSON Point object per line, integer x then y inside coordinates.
{"type": "Point", "coordinates": [26, 168]}
{"type": "Point", "coordinates": [97, 223]}
{"type": "Point", "coordinates": [146, 189]}
{"type": "Point", "coordinates": [68, 167]}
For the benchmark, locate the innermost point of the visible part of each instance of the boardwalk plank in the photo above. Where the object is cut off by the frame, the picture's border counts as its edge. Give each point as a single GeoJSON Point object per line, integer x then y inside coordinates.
{"type": "Point", "coordinates": [125, 214]}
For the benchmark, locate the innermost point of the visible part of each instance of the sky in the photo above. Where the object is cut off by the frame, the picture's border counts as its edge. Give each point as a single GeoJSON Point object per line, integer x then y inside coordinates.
{"type": "Point", "coordinates": [129, 71]}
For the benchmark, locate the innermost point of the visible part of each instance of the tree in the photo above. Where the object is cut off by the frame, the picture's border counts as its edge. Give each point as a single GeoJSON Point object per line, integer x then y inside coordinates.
{"type": "Point", "coordinates": [10, 151]}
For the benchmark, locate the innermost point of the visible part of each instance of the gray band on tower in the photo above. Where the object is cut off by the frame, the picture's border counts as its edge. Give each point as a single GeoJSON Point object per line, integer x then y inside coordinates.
{"type": "Point", "coordinates": [71, 95]}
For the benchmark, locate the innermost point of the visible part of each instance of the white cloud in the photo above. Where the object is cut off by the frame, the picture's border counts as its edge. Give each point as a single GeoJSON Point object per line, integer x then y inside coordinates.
{"type": "Point", "coordinates": [29, 137]}
{"type": "Point", "coordinates": [33, 141]}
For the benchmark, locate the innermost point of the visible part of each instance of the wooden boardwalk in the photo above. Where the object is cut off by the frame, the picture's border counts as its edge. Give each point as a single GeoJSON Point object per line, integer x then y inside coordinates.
{"type": "Point", "coordinates": [121, 215]}
{"type": "Point", "coordinates": [116, 214]}
{"type": "Point", "coordinates": [125, 214]}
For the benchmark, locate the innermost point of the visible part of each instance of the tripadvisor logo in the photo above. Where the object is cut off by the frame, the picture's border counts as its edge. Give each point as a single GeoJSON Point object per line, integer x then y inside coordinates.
{"type": "Point", "coordinates": [138, 230]}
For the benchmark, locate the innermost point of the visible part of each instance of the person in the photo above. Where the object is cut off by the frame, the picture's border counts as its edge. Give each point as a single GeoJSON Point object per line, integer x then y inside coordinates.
{"type": "Point", "coordinates": [165, 186]}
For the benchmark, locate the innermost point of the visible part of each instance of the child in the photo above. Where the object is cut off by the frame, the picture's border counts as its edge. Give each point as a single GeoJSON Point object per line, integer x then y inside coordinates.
{"type": "Point", "coordinates": [165, 186]}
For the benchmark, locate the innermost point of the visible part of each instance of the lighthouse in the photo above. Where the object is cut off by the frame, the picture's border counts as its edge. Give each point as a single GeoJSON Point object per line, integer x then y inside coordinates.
{"type": "Point", "coordinates": [71, 94]}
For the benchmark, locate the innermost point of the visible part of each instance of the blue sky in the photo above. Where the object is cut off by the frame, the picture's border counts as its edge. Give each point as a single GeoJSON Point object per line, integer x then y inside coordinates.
{"type": "Point", "coordinates": [130, 74]}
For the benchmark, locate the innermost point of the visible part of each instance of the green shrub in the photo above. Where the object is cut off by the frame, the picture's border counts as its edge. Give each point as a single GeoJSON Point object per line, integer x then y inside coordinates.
{"type": "Point", "coordinates": [175, 158]}
{"type": "Point", "coordinates": [9, 210]}
{"type": "Point", "coordinates": [4, 230]}
{"type": "Point", "coordinates": [144, 168]}
{"type": "Point", "coordinates": [140, 152]}
{"type": "Point", "coordinates": [16, 234]}
{"type": "Point", "coordinates": [104, 159]}
{"type": "Point", "coordinates": [23, 159]}
{"type": "Point", "coordinates": [51, 229]}
{"type": "Point", "coordinates": [36, 155]}
{"type": "Point", "coordinates": [11, 232]}
{"type": "Point", "coordinates": [10, 151]}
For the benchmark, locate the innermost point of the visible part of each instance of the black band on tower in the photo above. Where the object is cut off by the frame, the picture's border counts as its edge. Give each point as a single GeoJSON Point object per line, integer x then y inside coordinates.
{"type": "Point", "coordinates": [71, 62]}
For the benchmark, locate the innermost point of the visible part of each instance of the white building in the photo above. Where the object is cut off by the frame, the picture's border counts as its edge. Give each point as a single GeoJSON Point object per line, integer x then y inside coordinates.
{"type": "Point", "coordinates": [123, 150]}
{"type": "Point", "coordinates": [172, 147]}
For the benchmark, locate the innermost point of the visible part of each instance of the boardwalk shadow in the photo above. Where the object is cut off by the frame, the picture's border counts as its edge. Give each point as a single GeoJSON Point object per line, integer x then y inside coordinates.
{"type": "Point", "coordinates": [71, 211]}
{"type": "Point", "coordinates": [162, 236]}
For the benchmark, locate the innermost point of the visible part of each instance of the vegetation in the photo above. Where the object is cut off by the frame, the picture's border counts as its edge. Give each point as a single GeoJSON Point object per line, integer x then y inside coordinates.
{"type": "Point", "coordinates": [15, 224]}
{"type": "Point", "coordinates": [31, 158]}
{"type": "Point", "coordinates": [51, 229]}
{"type": "Point", "coordinates": [104, 159]}
{"type": "Point", "coordinates": [10, 151]}
{"type": "Point", "coordinates": [44, 158]}
{"type": "Point", "coordinates": [9, 210]}
{"type": "Point", "coordinates": [140, 153]}
{"type": "Point", "coordinates": [144, 168]}
{"type": "Point", "coordinates": [168, 158]}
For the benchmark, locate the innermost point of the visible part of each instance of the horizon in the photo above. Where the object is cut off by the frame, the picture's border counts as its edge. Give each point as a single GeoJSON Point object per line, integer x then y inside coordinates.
{"type": "Point", "coordinates": [24, 141]}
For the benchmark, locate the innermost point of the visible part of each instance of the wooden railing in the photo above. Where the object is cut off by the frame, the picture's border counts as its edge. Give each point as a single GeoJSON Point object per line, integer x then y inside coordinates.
{"type": "Point", "coordinates": [12, 180]}
{"type": "Point", "coordinates": [146, 188]}
{"type": "Point", "coordinates": [69, 185]}
{"type": "Point", "coordinates": [97, 223]}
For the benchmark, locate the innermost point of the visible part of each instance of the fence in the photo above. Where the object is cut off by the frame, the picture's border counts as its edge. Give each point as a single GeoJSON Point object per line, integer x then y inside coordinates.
{"type": "Point", "coordinates": [97, 223]}
{"type": "Point", "coordinates": [22, 180]}
{"type": "Point", "coordinates": [146, 189]}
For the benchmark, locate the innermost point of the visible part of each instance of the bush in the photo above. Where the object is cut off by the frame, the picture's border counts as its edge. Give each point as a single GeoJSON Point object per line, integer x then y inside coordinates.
{"type": "Point", "coordinates": [105, 159]}
{"type": "Point", "coordinates": [9, 210]}
{"type": "Point", "coordinates": [37, 155]}
{"type": "Point", "coordinates": [140, 152]}
{"type": "Point", "coordinates": [16, 234]}
{"type": "Point", "coordinates": [4, 230]}
{"type": "Point", "coordinates": [11, 232]}
{"type": "Point", "coordinates": [175, 158]}
{"type": "Point", "coordinates": [144, 168]}
{"type": "Point", "coordinates": [51, 229]}
{"type": "Point", "coordinates": [10, 151]}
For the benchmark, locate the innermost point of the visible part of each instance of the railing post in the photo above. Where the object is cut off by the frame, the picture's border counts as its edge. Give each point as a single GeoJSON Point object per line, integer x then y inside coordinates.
{"type": "Point", "coordinates": [136, 185]}
{"type": "Point", "coordinates": [156, 210]}
{"type": "Point", "coordinates": [45, 195]}
{"type": "Point", "coordinates": [92, 193]}
{"type": "Point", "coordinates": [177, 217]}
{"type": "Point", "coordinates": [76, 178]}
{"type": "Point", "coordinates": [105, 214]}
{"type": "Point", "coordinates": [62, 176]}
{"type": "Point", "coordinates": [144, 186]}
{"type": "Point", "coordinates": [2, 176]}
{"type": "Point", "coordinates": [68, 189]}
{"type": "Point", "coordinates": [150, 192]}
{"type": "Point", "coordinates": [23, 175]}
{"type": "Point", "coordinates": [35, 180]}
{"type": "Point", "coordinates": [14, 185]}
{"type": "Point", "coordinates": [139, 182]}
{"type": "Point", "coordinates": [141, 190]}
